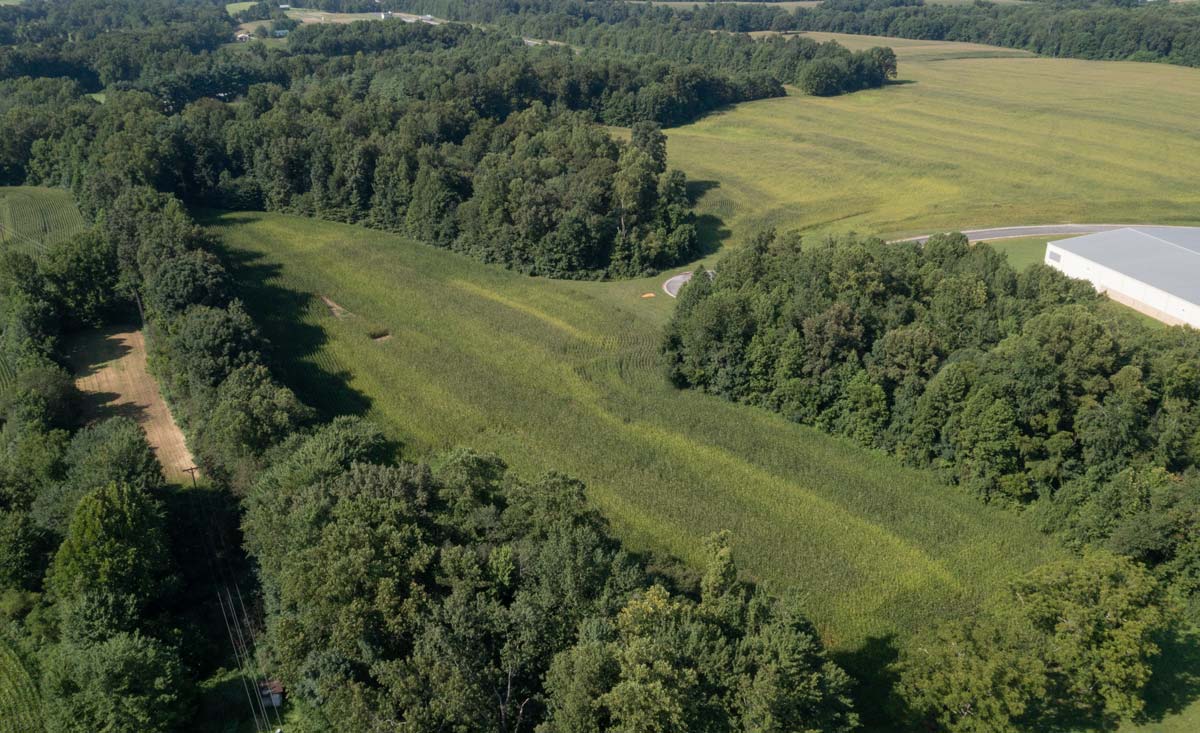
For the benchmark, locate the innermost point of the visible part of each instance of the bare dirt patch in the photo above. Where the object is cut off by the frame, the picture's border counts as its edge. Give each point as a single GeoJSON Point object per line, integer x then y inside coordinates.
{"type": "Point", "coordinates": [337, 310]}
{"type": "Point", "coordinates": [110, 370]}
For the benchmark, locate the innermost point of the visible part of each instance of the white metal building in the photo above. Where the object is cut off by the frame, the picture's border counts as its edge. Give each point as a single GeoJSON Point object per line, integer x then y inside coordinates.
{"type": "Point", "coordinates": [1155, 270]}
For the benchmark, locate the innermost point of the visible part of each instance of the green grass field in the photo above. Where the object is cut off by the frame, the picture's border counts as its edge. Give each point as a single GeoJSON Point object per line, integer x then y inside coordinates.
{"type": "Point", "coordinates": [20, 701]}
{"type": "Point", "coordinates": [1022, 251]}
{"type": "Point", "coordinates": [567, 376]}
{"type": "Point", "coordinates": [975, 136]}
{"type": "Point", "coordinates": [563, 375]}
{"type": "Point", "coordinates": [33, 218]}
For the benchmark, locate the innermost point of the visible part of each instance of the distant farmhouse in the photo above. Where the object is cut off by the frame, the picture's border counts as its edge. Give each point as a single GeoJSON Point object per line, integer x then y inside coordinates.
{"type": "Point", "coordinates": [1155, 270]}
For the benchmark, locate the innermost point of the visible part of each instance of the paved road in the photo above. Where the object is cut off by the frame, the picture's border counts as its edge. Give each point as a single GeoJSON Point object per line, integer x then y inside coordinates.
{"type": "Point", "coordinates": [1040, 230]}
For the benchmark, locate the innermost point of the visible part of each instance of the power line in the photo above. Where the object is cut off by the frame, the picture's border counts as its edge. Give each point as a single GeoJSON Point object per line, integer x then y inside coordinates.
{"type": "Point", "coordinates": [222, 575]}
{"type": "Point", "coordinates": [245, 686]}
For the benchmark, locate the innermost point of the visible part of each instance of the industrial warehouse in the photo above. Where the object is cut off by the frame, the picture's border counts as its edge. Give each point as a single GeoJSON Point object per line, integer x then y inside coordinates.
{"type": "Point", "coordinates": [1154, 270]}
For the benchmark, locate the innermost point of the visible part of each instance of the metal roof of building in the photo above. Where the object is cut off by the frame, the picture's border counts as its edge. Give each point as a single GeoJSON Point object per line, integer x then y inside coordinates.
{"type": "Point", "coordinates": [1167, 258]}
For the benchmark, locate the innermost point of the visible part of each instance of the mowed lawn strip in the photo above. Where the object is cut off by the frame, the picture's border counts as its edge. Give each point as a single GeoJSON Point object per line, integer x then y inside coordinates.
{"type": "Point", "coordinates": [566, 376]}
{"type": "Point", "coordinates": [975, 136]}
{"type": "Point", "coordinates": [110, 371]}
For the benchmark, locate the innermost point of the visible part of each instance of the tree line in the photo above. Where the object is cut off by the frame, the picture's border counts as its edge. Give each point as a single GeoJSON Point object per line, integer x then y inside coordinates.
{"type": "Point", "coordinates": [106, 571]}
{"type": "Point", "coordinates": [822, 69]}
{"type": "Point", "coordinates": [1019, 387]}
{"type": "Point", "coordinates": [1132, 31]}
{"type": "Point", "coordinates": [387, 593]}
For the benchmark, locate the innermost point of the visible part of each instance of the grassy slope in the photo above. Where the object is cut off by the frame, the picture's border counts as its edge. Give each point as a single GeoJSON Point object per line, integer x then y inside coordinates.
{"type": "Point", "coordinates": [976, 137]}
{"type": "Point", "coordinates": [558, 375]}
{"type": "Point", "coordinates": [20, 702]}
{"type": "Point", "coordinates": [32, 218]}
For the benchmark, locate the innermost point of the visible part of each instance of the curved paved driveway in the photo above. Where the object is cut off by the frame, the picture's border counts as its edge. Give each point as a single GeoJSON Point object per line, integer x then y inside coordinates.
{"type": "Point", "coordinates": [673, 284]}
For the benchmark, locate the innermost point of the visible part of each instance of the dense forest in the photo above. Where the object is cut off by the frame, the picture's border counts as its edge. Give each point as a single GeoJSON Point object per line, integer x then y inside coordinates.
{"type": "Point", "coordinates": [1019, 387]}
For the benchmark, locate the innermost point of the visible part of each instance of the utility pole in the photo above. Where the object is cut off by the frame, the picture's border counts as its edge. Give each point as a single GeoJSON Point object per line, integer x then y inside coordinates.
{"type": "Point", "coordinates": [192, 472]}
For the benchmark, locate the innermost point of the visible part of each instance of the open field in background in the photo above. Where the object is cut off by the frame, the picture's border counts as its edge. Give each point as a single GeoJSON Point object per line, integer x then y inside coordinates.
{"type": "Point", "coordinates": [20, 701]}
{"type": "Point", "coordinates": [234, 8]}
{"type": "Point", "coordinates": [567, 376]}
{"type": "Point", "coordinates": [33, 218]}
{"type": "Point", "coordinates": [975, 136]}
{"type": "Point", "coordinates": [110, 371]}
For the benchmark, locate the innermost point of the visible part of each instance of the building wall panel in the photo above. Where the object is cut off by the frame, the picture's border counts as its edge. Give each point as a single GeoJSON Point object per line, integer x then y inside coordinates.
{"type": "Point", "coordinates": [1124, 289]}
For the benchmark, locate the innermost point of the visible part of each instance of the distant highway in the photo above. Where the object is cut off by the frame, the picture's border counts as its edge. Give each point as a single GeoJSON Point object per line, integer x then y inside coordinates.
{"type": "Point", "coordinates": [672, 285]}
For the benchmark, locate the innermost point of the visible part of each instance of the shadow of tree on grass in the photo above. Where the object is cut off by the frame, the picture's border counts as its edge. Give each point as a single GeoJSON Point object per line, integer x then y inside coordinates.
{"type": "Point", "coordinates": [873, 667]}
{"type": "Point", "coordinates": [1175, 678]}
{"type": "Point", "coordinates": [711, 232]}
{"type": "Point", "coordinates": [280, 313]}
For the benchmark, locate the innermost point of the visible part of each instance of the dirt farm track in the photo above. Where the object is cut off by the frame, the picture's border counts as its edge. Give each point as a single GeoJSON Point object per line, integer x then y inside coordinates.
{"type": "Point", "coordinates": [110, 370]}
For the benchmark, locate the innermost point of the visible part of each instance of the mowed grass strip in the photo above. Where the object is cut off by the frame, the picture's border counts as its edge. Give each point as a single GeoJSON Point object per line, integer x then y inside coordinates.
{"type": "Point", "coordinates": [33, 218]}
{"type": "Point", "coordinates": [566, 376]}
{"type": "Point", "coordinates": [975, 136]}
